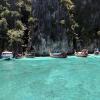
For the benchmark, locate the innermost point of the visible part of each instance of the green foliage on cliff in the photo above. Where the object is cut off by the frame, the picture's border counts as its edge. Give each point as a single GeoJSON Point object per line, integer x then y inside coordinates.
{"type": "Point", "coordinates": [84, 24]}
{"type": "Point", "coordinates": [15, 35]}
{"type": "Point", "coordinates": [69, 5]}
{"type": "Point", "coordinates": [14, 18]}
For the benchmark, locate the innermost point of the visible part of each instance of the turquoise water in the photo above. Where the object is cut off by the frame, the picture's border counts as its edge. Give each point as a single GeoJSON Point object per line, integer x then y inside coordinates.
{"type": "Point", "coordinates": [48, 78]}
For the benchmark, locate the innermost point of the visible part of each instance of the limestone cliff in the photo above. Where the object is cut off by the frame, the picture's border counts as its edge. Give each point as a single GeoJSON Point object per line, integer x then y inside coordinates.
{"type": "Point", "coordinates": [53, 28]}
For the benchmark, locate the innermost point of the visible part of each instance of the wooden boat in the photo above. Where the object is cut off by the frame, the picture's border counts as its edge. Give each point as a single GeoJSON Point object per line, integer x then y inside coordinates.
{"type": "Point", "coordinates": [6, 55]}
{"type": "Point", "coordinates": [79, 54]}
{"type": "Point", "coordinates": [58, 55]}
{"type": "Point", "coordinates": [29, 56]}
{"type": "Point", "coordinates": [96, 52]}
{"type": "Point", "coordinates": [18, 56]}
{"type": "Point", "coordinates": [83, 53]}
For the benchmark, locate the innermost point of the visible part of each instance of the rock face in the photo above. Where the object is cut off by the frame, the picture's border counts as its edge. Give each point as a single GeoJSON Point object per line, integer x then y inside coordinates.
{"type": "Point", "coordinates": [52, 28]}
{"type": "Point", "coordinates": [87, 15]}
{"type": "Point", "coordinates": [50, 33]}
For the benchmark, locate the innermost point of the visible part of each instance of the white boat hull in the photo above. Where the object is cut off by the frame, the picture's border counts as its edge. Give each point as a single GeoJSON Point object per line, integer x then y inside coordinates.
{"type": "Point", "coordinates": [7, 55]}
{"type": "Point", "coordinates": [58, 55]}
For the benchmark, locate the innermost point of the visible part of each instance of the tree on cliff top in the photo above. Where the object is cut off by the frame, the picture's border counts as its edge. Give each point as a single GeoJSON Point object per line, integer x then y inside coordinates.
{"type": "Point", "coordinates": [14, 20]}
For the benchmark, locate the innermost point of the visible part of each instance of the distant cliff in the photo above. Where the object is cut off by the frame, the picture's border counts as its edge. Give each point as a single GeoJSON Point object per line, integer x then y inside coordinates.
{"type": "Point", "coordinates": [49, 24]}
{"type": "Point", "coordinates": [53, 28]}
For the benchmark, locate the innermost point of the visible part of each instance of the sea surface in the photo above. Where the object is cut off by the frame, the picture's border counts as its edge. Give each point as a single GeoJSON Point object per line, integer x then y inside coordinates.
{"type": "Point", "coordinates": [45, 78]}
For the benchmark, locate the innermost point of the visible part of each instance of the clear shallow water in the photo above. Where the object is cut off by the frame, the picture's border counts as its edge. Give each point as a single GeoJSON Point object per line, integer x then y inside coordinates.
{"type": "Point", "coordinates": [46, 78]}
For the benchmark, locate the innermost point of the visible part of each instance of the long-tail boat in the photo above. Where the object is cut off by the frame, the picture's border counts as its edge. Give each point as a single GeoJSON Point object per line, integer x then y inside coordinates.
{"type": "Point", "coordinates": [58, 55]}
{"type": "Point", "coordinates": [83, 53]}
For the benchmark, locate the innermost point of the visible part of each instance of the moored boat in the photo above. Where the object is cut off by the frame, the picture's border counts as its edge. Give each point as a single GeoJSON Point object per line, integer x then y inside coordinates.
{"type": "Point", "coordinates": [29, 55]}
{"type": "Point", "coordinates": [58, 55]}
{"type": "Point", "coordinates": [96, 51]}
{"type": "Point", "coordinates": [83, 53]}
{"type": "Point", "coordinates": [6, 55]}
{"type": "Point", "coordinates": [18, 56]}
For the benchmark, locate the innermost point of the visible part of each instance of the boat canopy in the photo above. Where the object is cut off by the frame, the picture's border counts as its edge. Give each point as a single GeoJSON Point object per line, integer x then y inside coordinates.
{"type": "Point", "coordinates": [6, 52]}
